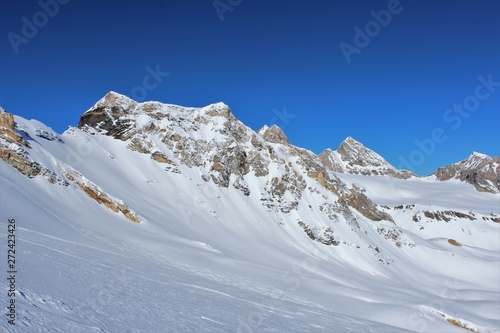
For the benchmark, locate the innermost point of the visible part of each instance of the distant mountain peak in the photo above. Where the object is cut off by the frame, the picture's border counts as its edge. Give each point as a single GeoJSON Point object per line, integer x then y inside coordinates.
{"type": "Point", "coordinates": [114, 99]}
{"type": "Point", "coordinates": [273, 134]}
{"type": "Point", "coordinates": [114, 94]}
{"type": "Point", "coordinates": [219, 105]}
{"type": "Point", "coordinates": [217, 109]}
{"type": "Point", "coordinates": [353, 157]}
{"type": "Point", "coordinates": [351, 140]}
{"type": "Point", "coordinates": [356, 153]}
{"type": "Point", "coordinates": [479, 170]}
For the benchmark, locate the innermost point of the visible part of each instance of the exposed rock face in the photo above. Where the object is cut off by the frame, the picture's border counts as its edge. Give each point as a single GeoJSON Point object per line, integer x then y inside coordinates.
{"type": "Point", "coordinates": [324, 236]}
{"type": "Point", "coordinates": [6, 119]}
{"type": "Point", "coordinates": [277, 189]}
{"type": "Point", "coordinates": [353, 157]}
{"type": "Point", "coordinates": [430, 214]}
{"type": "Point", "coordinates": [160, 157]}
{"type": "Point", "coordinates": [19, 161]}
{"type": "Point", "coordinates": [447, 215]}
{"type": "Point", "coordinates": [105, 200]}
{"type": "Point", "coordinates": [7, 127]}
{"type": "Point", "coordinates": [75, 178]}
{"type": "Point", "coordinates": [478, 169]}
{"type": "Point", "coordinates": [395, 235]}
{"type": "Point", "coordinates": [273, 134]}
{"type": "Point", "coordinates": [107, 116]}
{"type": "Point", "coordinates": [355, 153]}
{"type": "Point", "coordinates": [359, 201]}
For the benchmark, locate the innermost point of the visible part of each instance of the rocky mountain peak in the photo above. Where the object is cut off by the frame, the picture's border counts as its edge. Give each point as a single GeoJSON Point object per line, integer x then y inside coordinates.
{"type": "Point", "coordinates": [479, 170]}
{"type": "Point", "coordinates": [351, 141]}
{"type": "Point", "coordinates": [115, 100]}
{"type": "Point", "coordinates": [273, 134]}
{"type": "Point", "coordinates": [110, 115]}
{"type": "Point", "coordinates": [353, 157]}
{"type": "Point", "coordinates": [354, 152]}
{"type": "Point", "coordinates": [219, 109]}
{"type": "Point", "coordinates": [115, 114]}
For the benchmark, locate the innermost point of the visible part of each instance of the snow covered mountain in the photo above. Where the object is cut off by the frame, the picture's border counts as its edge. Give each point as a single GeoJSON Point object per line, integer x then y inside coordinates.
{"type": "Point", "coordinates": [156, 217]}
{"type": "Point", "coordinates": [354, 158]}
{"type": "Point", "coordinates": [478, 169]}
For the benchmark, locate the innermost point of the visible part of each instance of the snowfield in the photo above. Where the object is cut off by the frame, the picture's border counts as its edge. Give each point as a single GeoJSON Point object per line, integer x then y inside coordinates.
{"type": "Point", "coordinates": [205, 258]}
{"type": "Point", "coordinates": [452, 194]}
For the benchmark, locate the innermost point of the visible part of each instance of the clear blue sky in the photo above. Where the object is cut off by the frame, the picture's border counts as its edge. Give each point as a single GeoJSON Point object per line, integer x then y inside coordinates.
{"type": "Point", "coordinates": [272, 55]}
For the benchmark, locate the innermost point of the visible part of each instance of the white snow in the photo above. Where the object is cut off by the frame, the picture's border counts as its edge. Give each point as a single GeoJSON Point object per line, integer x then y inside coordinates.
{"type": "Point", "coordinates": [481, 155]}
{"type": "Point", "coordinates": [452, 194]}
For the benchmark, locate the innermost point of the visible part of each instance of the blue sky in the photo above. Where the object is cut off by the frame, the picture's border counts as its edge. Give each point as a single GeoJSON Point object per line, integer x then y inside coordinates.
{"type": "Point", "coordinates": [413, 85]}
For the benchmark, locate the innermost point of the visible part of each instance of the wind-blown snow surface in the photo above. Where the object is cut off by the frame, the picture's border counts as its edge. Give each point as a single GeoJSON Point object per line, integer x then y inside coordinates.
{"type": "Point", "coordinates": [209, 259]}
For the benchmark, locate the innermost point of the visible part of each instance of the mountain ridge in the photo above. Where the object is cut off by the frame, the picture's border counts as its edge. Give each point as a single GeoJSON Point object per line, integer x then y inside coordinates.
{"type": "Point", "coordinates": [351, 156]}
{"type": "Point", "coordinates": [479, 170]}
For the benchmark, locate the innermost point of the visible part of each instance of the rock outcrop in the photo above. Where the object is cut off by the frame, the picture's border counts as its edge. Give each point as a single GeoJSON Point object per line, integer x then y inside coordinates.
{"type": "Point", "coordinates": [273, 134]}
{"type": "Point", "coordinates": [7, 125]}
{"type": "Point", "coordinates": [480, 170]}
